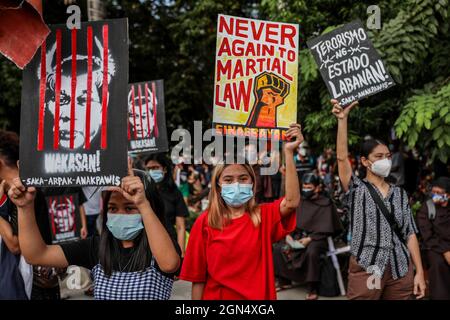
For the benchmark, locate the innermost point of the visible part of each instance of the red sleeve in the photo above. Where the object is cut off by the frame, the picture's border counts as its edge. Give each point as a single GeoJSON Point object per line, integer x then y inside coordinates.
{"type": "Point", "coordinates": [277, 226]}
{"type": "Point", "coordinates": [194, 262]}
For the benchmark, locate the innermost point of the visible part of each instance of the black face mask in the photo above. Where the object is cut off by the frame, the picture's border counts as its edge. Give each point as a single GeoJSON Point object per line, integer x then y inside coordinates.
{"type": "Point", "coordinates": [308, 193]}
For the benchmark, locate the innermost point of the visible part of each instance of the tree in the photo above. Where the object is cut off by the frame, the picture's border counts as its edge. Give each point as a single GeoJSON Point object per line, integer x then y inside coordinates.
{"type": "Point", "coordinates": [176, 41]}
{"type": "Point", "coordinates": [414, 43]}
{"type": "Point", "coordinates": [10, 93]}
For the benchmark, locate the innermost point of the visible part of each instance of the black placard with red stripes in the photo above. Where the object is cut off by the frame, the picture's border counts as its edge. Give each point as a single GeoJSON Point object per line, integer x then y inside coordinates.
{"type": "Point", "coordinates": [147, 131]}
{"type": "Point", "coordinates": [64, 217]}
{"type": "Point", "coordinates": [73, 116]}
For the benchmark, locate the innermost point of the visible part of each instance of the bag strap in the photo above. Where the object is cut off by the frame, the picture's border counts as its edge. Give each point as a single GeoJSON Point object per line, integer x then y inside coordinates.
{"type": "Point", "coordinates": [431, 209]}
{"type": "Point", "coordinates": [388, 215]}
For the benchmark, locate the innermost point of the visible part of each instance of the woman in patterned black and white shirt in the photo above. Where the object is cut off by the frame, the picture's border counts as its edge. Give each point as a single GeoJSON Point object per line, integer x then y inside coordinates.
{"type": "Point", "coordinates": [380, 266]}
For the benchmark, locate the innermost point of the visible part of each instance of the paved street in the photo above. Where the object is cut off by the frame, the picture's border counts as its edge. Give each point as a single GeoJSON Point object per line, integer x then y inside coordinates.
{"type": "Point", "coordinates": [182, 291]}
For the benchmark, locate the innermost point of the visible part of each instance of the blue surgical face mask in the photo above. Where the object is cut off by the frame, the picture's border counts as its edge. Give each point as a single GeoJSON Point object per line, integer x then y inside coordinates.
{"type": "Point", "coordinates": [156, 175]}
{"type": "Point", "coordinates": [236, 194]}
{"type": "Point", "coordinates": [124, 226]}
{"type": "Point", "coordinates": [439, 198]}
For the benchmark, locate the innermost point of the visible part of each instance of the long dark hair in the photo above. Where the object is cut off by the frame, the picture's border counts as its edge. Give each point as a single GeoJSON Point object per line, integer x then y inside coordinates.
{"type": "Point", "coordinates": [167, 184]}
{"type": "Point", "coordinates": [109, 248]}
{"type": "Point", "coordinates": [9, 147]}
{"type": "Point", "coordinates": [367, 148]}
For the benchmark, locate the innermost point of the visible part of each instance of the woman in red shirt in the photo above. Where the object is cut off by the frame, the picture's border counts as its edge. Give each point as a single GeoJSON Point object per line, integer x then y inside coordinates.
{"type": "Point", "coordinates": [229, 254]}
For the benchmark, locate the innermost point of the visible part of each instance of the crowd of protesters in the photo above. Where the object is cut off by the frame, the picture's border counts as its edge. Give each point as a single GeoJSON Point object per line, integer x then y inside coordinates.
{"type": "Point", "coordinates": [232, 231]}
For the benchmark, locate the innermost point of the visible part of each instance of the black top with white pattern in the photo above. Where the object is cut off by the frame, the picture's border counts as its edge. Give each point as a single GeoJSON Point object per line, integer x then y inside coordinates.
{"type": "Point", "coordinates": [373, 242]}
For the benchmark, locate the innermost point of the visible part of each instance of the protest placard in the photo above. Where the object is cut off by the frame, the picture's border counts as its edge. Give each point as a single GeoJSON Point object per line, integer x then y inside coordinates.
{"type": "Point", "coordinates": [349, 64]}
{"type": "Point", "coordinates": [73, 114]}
{"type": "Point", "coordinates": [255, 90]}
{"type": "Point", "coordinates": [64, 217]}
{"type": "Point", "coordinates": [147, 131]}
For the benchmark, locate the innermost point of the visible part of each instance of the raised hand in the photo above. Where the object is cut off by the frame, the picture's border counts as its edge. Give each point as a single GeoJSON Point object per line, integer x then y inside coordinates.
{"type": "Point", "coordinates": [295, 136]}
{"type": "Point", "coordinates": [340, 112]}
{"type": "Point", "coordinates": [132, 188]}
{"type": "Point", "coordinates": [21, 196]}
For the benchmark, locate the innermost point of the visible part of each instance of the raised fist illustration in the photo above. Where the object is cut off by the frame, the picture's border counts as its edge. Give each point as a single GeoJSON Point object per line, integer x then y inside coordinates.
{"type": "Point", "coordinates": [270, 91]}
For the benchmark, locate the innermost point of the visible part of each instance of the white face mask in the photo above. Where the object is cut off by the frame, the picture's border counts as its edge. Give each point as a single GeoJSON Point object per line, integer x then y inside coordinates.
{"type": "Point", "coordinates": [302, 152]}
{"type": "Point", "coordinates": [382, 168]}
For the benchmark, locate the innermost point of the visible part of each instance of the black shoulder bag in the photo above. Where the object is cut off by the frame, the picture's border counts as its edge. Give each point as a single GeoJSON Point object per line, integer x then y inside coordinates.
{"type": "Point", "coordinates": [388, 215]}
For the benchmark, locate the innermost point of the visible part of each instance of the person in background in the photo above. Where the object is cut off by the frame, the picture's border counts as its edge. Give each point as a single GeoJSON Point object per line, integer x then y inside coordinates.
{"type": "Point", "coordinates": [175, 210]}
{"type": "Point", "coordinates": [229, 253]}
{"type": "Point", "coordinates": [199, 168]}
{"type": "Point", "coordinates": [325, 167]}
{"type": "Point", "coordinates": [252, 158]}
{"type": "Point", "coordinates": [45, 284]}
{"type": "Point", "coordinates": [206, 170]}
{"type": "Point", "coordinates": [180, 176]}
{"type": "Point", "coordinates": [433, 220]}
{"type": "Point", "coordinates": [398, 165]}
{"type": "Point", "coordinates": [134, 257]}
{"type": "Point", "coordinates": [15, 284]}
{"type": "Point", "coordinates": [276, 179]}
{"type": "Point", "coordinates": [196, 191]}
{"type": "Point", "coordinates": [383, 231]}
{"type": "Point", "coordinates": [303, 162]}
{"type": "Point", "coordinates": [413, 170]}
{"type": "Point", "coordinates": [92, 208]}
{"type": "Point", "coordinates": [298, 258]}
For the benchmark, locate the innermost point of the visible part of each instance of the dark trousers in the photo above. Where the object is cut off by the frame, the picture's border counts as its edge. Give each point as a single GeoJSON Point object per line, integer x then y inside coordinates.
{"type": "Point", "coordinates": [439, 276]}
{"type": "Point", "coordinates": [305, 267]}
{"type": "Point", "coordinates": [38, 293]}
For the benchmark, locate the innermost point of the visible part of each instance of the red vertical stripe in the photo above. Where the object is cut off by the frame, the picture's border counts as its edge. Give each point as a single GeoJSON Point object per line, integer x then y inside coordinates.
{"type": "Point", "coordinates": [42, 87]}
{"type": "Point", "coordinates": [57, 91]}
{"type": "Point", "coordinates": [87, 134]}
{"type": "Point", "coordinates": [3, 199]}
{"type": "Point", "coordinates": [148, 110]}
{"type": "Point", "coordinates": [133, 108]}
{"type": "Point", "coordinates": [140, 110]}
{"type": "Point", "coordinates": [155, 110]}
{"type": "Point", "coordinates": [73, 87]}
{"type": "Point", "coordinates": [105, 87]}
{"type": "Point", "coordinates": [128, 129]}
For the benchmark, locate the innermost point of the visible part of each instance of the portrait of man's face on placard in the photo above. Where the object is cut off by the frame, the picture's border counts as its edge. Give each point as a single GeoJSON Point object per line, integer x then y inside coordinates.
{"type": "Point", "coordinates": [73, 119]}
{"type": "Point", "coordinates": [63, 214]}
{"type": "Point", "coordinates": [141, 108]}
{"type": "Point", "coordinates": [147, 131]}
{"type": "Point", "coordinates": [81, 95]}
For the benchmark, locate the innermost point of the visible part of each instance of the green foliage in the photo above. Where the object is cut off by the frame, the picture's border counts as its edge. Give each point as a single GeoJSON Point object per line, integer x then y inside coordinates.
{"type": "Point", "coordinates": [176, 41]}
{"type": "Point", "coordinates": [10, 93]}
{"type": "Point", "coordinates": [406, 40]}
{"type": "Point", "coordinates": [415, 208]}
{"type": "Point", "coordinates": [425, 120]}
{"type": "Point", "coordinates": [414, 42]}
